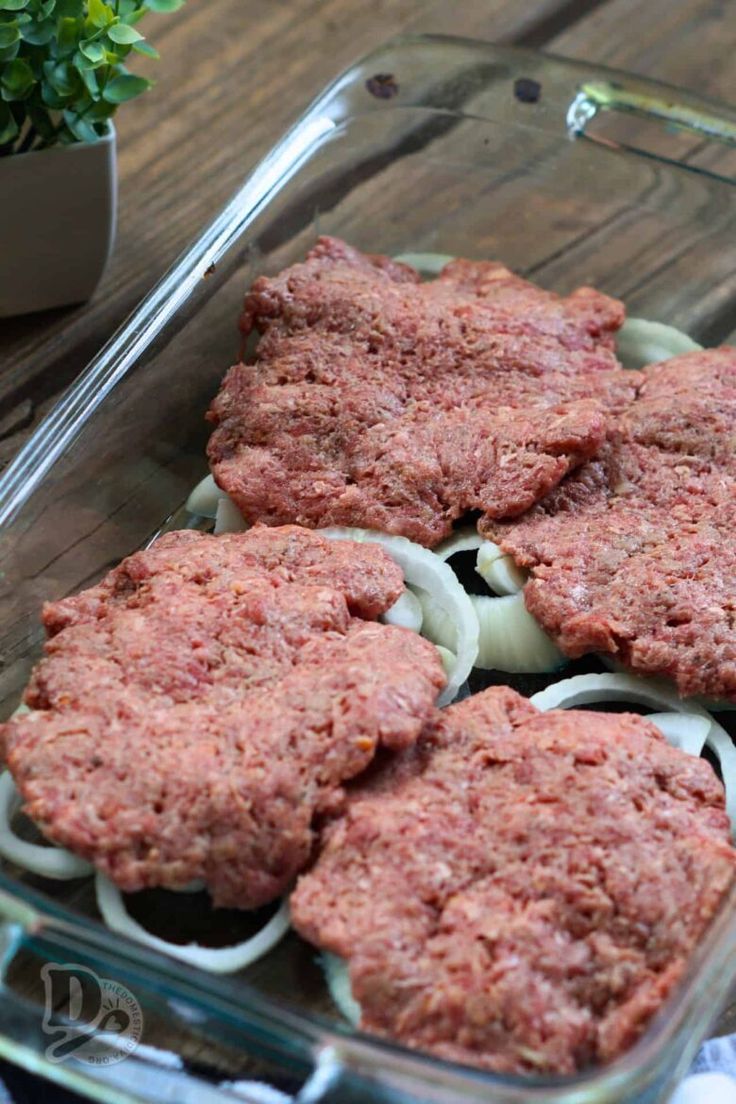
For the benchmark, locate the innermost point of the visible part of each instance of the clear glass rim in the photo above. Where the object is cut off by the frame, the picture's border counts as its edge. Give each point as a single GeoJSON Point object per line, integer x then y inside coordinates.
{"type": "Point", "coordinates": [584, 90]}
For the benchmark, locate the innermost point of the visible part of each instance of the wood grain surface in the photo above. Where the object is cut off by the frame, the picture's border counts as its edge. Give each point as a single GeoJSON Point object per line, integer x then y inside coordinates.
{"type": "Point", "coordinates": [233, 75]}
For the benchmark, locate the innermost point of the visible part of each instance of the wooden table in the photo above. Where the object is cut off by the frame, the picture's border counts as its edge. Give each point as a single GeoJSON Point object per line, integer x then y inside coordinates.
{"type": "Point", "coordinates": [234, 73]}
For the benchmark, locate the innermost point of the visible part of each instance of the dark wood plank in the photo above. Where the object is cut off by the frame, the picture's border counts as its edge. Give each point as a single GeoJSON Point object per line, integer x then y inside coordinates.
{"type": "Point", "coordinates": [227, 87]}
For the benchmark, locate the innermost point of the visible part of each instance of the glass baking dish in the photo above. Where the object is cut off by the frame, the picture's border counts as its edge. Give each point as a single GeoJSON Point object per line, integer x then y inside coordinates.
{"type": "Point", "coordinates": [429, 144]}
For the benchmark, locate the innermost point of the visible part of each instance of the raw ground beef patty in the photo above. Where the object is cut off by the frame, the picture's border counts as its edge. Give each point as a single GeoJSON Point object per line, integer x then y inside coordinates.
{"type": "Point", "coordinates": [520, 890]}
{"type": "Point", "coordinates": [633, 554]}
{"type": "Point", "coordinates": [381, 402]}
{"type": "Point", "coordinates": [199, 706]}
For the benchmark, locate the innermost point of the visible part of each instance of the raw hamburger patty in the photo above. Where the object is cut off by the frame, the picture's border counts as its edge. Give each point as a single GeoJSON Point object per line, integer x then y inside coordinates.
{"type": "Point", "coordinates": [382, 402]}
{"type": "Point", "coordinates": [633, 554]}
{"type": "Point", "coordinates": [199, 706]}
{"type": "Point", "coordinates": [520, 890]}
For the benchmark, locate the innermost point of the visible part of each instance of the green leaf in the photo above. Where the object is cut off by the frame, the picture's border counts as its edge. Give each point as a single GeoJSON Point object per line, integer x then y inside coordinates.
{"type": "Point", "coordinates": [68, 33]}
{"type": "Point", "coordinates": [8, 125]}
{"type": "Point", "coordinates": [17, 80]}
{"type": "Point", "coordinates": [7, 53]}
{"type": "Point", "coordinates": [125, 87]}
{"type": "Point", "coordinates": [125, 35]}
{"type": "Point", "coordinates": [12, 5]}
{"type": "Point", "coordinates": [69, 9]}
{"type": "Point", "coordinates": [164, 5]}
{"type": "Point", "coordinates": [89, 78]}
{"type": "Point", "coordinates": [46, 8]}
{"type": "Point", "coordinates": [101, 111]}
{"type": "Point", "coordinates": [82, 130]}
{"type": "Point", "coordinates": [93, 51]}
{"type": "Point", "coordinates": [99, 13]}
{"type": "Point", "coordinates": [51, 98]}
{"type": "Point", "coordinates": [81, 103]}
{"type": "Point", "coordinates": [38, 34]}
{"type": "Point", "coordinates": [9, 34]}
{"type": "Point", "coordinates": [61, 76]}
{"type": "Point", "coordinates": [146, 49]}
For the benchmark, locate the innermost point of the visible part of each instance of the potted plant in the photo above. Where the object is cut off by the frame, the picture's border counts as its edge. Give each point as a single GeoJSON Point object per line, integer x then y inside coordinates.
{"type": "Point", "coordinates": [63, 74]}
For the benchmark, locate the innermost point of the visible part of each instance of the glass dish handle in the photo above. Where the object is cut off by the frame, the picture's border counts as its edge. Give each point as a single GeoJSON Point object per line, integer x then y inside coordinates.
{"type": "Point", "coordinates": [650, 101]}
{"type": "Point", "coordinates": [331, 1067]}
{"type": "Point", "coordinates": [38, 1037]}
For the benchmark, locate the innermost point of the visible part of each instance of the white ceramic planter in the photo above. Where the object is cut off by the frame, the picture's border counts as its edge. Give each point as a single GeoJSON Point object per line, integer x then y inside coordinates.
{"type": "Point", "coordinates": [59, 206]}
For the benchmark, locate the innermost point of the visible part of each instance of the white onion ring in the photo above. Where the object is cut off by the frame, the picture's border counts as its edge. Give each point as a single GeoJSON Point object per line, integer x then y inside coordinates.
{"type": "Point", "coordinates": [466, 539]}
{"type": "Point", "coordinates": [337, 977]}
{"type": "Point", "coordinates": [448, 657]}
{"type": "Point", "coordinates": [204, 498]}
{"type": "Point", "coordinates": [49, 862]}
{"type": "Point", "coordinates": [511, 639]}
{"type": "Point", "coordinates": [228, 518]}
{"type": "Point", "coordinates": [406, 612]}
{"type": "Point", "coordinates": [495, 567]}
{"type": "Point", "coordinates": [640, 342]}
{"type": "Point", "coordinates": [711, 705]}
{"type": "Point", "coordinates": [685, 731]}
{"type": "Point", "coordinates": [217, 960]}
{"type": "Point", "coordinates": [437, 624]}
{"type": "Point", "coordinates": [424, 569]}
{"type": "Point", "coordinates": [589, 689]}
{"type": "Point", "coordinates": [428, 264]}
{"type": "Point", "coordinates": [498, 569]}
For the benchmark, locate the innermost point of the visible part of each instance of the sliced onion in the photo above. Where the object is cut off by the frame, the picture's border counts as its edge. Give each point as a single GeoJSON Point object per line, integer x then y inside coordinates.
{"type": "Point", "coordinates": [428, 264]}
{"type": "Point", "coordinates": [49, 862]}
{"type": "Point", "coordinates": [589, 689]}
{"type": "Point", "coordinates": [228, 518]}
{"type": "Point", "coordinates": [711, 705]}
{"type": "Point", "coordinates": [218, 960]}
{"type": "Point", "coordinates": [204, 498]}
{"type": "Point", "coordinates": [498, 569]}
{"type": "Point", "coordinates": [685, 731]}
{"type": "Point", "coordinates": [640, 342]}
{"type": "Point", "coordinates": [494, 566]}
{"type": "Point", "coordinates": [449, 659]}
{"type": "Point", "coordinates": [466, 539]}
{"type": "Point", "coordinates": [337, 977]}
{"type": "Point", "coordinates": [425, 571]}
{"type": "Point", "coordinates": [437, 624]}
{"type": "Point", "coordinates": [406, 612]}
{"type": "Point", "coordinates": [511, 639]}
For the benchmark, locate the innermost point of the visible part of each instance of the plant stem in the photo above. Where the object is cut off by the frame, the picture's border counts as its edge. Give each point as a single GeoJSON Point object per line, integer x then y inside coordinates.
{"type": "Point", "coordinates": [30, 137]}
